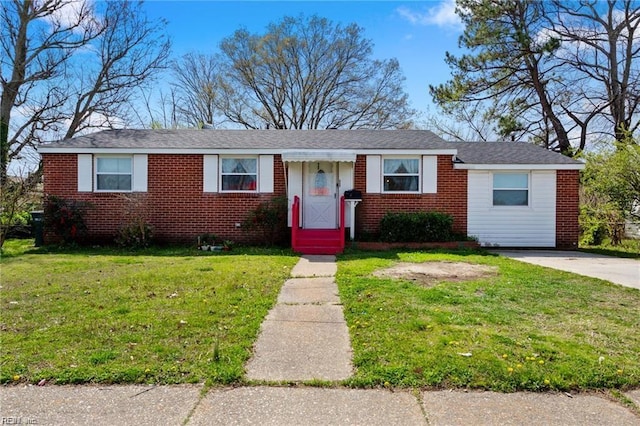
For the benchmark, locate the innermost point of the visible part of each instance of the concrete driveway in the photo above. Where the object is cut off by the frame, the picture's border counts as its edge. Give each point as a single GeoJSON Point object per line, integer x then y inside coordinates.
{"type": "Point", "coordinates": [621, 271]}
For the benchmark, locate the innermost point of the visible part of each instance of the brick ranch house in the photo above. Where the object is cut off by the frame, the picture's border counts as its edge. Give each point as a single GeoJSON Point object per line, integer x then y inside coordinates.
{"type": "Point", "coordinates": [206, 181]}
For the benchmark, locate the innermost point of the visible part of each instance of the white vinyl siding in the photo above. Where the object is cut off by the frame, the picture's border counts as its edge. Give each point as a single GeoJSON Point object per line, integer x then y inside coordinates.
{"type": "Point", "coordinates": [85, 173]}
{"type": "Point", "coordinates": [346, 183]}
{"type": "Point", "coordinates": [265, 180]}
{"type": "Point", "coordinates": [210, 173]}
{"type": "Point", "coordinates": [294, 186]}
{"type": "Point", "coordinates": [512, 226]}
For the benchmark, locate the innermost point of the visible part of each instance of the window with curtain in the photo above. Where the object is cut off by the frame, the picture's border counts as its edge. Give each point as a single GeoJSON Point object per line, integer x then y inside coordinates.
{"type": "Point", "coordinates": [510, 189]}
{"type": "Point", "coordinates": [113, 173]}
{"type": "Point", "coordinates": [401, 174]}
{"type": "Point", "coordinates": [239, 174]}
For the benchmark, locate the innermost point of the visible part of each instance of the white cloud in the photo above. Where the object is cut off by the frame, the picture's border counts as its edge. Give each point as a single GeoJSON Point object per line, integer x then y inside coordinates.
{"type": "Point", "coordinates": [70, 13]}
{"type": "Point", "coordinates": [443, 15]}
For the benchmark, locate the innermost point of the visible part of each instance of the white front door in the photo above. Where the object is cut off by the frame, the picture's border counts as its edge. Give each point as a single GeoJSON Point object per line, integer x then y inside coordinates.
{"type": "Point", "coordinates": [319, 200]}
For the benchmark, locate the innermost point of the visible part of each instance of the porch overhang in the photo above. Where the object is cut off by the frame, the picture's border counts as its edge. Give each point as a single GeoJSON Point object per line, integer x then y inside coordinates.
{"type": "Point", "coordinates": [308, 155]}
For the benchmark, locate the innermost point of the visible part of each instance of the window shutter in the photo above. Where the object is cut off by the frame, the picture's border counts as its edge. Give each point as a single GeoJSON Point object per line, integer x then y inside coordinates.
{"type": "Point", "coordinates": [210, 173]}
{"type": "Point", "coordinates": [374, 174]}
{"type": "Point", "coordinates": [429, 174]}
{"type": "Point", "coordinates": [85, 173]}
{"type": "Point", "coordinates": [265, 180]}
{"type": "Point", "coordinates": [140, 172]}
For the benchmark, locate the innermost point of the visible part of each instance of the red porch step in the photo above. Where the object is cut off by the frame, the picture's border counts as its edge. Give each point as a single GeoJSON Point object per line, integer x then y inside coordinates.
{"type": "Point", "coordinates": [318, 241]}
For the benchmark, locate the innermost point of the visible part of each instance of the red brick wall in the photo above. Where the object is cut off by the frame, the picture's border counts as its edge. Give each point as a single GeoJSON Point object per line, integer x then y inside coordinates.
{"type": "Point", "coordinates": [451, 198]}
{"type": "Point", "coordinates": [179, 211]}
{"type": "Point", "coordinates": [174, 205]}
{"type": "Point", "coordinates": [567, 208]}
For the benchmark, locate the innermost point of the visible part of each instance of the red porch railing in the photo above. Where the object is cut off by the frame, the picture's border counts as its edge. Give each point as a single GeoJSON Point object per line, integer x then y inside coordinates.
{"type": "Point", "coordinates": [342, 227]}
{"type": "Point", "coordinates": [316, 241]}
{"type": "Point", "coordinates": [295, 222]}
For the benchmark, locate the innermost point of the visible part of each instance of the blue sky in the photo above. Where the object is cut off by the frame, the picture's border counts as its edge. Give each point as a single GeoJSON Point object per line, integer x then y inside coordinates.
{"type": "Point", "coordinates": [417, 33]}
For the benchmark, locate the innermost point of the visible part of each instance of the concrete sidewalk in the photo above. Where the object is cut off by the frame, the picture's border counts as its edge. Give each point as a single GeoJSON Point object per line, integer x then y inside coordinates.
{"type": "Point", "coordinates": [298, 342]}
{"type": "Point", "coordinates": [177, 405]}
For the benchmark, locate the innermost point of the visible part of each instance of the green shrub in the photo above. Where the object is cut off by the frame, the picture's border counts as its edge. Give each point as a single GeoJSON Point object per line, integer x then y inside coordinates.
{"type": "Point", "coordinates": [136, 231]}
{"type": "Point", "coordinates": [270, 219]}
{"type": "Point", "coordinates": [419, 227]}
{"type": "Point", "coordinates": [592, 229]}
{"type": "Point", "coordinates": [65, 218]}
{"type": "Point", "coordinates": [136, 234]}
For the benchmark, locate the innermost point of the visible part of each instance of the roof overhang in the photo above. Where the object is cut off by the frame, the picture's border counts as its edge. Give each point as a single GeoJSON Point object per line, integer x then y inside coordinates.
{"type": "Point", "coordinates": [463, 166]}
{"type": "Point", "coordinates": [306, 155]}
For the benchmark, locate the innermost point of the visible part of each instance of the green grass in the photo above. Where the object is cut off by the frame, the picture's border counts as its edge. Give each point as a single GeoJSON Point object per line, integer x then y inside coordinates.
{"type": "Point", "coordinates": [529, 328]}
{"type": "Point", "coordinates": [170, 315]}
{"type": "Point", "coordinates": [628, 248]}
{"type": "Point", "coordinates": [176, 315]}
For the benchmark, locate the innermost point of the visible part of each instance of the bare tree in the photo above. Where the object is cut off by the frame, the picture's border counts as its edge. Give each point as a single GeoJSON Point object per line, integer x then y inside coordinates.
{"type": "Point", "coordinates": [129, 52]}
{"type": "Point", "coordinates": [37, 41]}
{"type": "Point", "coordinates": [467, 123]}
{"type": "Point", "coordinates": [68, 67]}
{"type": "Point", "coordinates": [308, 74]}
{"type": "Point", "coordinates": [508, 65]}
{"type": "Point", "coordinates": [602, 42]}
{"type": "Point", "coordinates": [560, 73]}
{"type": "Point", "coordinates": [161, 110]}
{"type": "Point", "coordinates": [196, 86]}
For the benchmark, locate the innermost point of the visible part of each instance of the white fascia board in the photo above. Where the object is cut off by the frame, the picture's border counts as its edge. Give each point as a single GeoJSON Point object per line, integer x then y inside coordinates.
{"type": "Point", "coordinates": [233, 151]}
{"type": "Point", "coordinates": [410, 152]}
{"type": "Point", "coordinates": [312, 155]}
{"type": "Point", "coordinates": [518, 166]}
{"type": "Point", "coordinates": [46, 150]}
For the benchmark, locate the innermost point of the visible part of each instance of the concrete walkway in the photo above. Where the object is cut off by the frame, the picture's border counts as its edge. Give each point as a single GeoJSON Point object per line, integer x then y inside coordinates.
{"type": "Point", "coordinates": [618, 270]}
{"type": "Point", "coordinates": [299, 341]}
{"type": "Point", "coordinates": [305, 336]}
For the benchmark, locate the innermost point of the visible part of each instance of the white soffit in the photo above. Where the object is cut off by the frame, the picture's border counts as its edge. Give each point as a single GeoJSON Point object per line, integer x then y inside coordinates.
{"type": "Point", "coordinates": [313, 155]}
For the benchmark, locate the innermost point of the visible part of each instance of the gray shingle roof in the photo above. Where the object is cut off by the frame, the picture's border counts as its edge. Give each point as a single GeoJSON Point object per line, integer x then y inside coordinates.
{"type": "Point", "coordinates": [257, 139]}
{"type": "Point", "coordinates": [361, 140]}
{"type": "Point", "coordinates": [508, 153]}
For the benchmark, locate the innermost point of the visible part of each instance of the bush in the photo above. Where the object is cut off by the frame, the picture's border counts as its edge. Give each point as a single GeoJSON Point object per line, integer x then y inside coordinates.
{"type": "Point", "coordinates": [270, 218]}
{"type": "Point", "coordinates": [600, 221]}
{"type": "Point", "coordinates": [136, 234]}
{"type": "Point", "coordinates": [65, 218]}
{"type": "Point", "coordinates": [19, 226]}
{"type": "Point", "coordinates": [420, 227]}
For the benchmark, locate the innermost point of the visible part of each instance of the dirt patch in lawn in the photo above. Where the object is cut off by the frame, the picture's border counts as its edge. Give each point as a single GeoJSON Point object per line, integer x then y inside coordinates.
{"type": "Point", "coordinates": [429, 273]}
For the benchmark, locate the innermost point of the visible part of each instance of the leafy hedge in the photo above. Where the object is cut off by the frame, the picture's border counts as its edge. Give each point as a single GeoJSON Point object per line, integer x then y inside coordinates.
{"type": "Point", "coordinates": [420, 227]}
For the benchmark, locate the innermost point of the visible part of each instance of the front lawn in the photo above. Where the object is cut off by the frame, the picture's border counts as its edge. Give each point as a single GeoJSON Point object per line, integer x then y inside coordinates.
{"type": "Point", "coordinates": [526, 328]}
{"type": "Point", "coordinates": [155, 316]}
{"type": "Point", "coordinates": [178, 315]}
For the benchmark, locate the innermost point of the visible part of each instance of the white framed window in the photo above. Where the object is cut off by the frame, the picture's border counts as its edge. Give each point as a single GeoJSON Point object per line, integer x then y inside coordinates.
{"type": "Point", "coordinates": [511, 189]}
{"type": "Point", "coordinates": [401, 174]}
{"type": "Point", "coordinates": [239, 174]}
{"type": "Point", "coordinates": [114, 174]}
